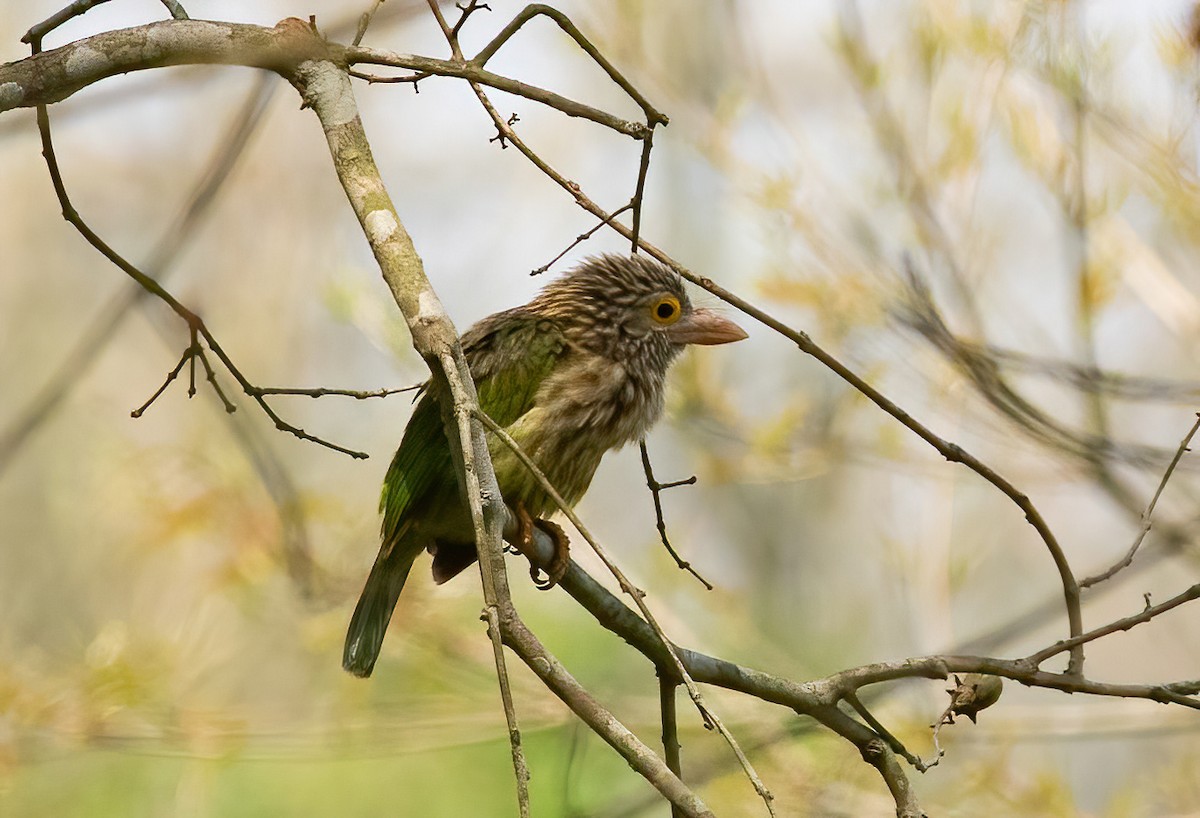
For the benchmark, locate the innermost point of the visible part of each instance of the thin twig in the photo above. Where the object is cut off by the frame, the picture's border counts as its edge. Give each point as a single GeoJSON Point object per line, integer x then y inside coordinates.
{"type": "Point", "coordinates": [211, 377]}
{"type": "Point", "coordinates": [176, 9]}
{"type": "Point", "coordinates": [448, 31]}
{"type": "Point", "coordinates": [323, 391]}
{"type": "Point", "coordinates": [656, 490]}
{"type": "Point", "coordinates": [1127, 559]}
{"type": "Point", "coordinates": [36, 33]}
{"type": "Point", "coordinates": [93, 340]}
{"type": "Point", "coordinates": [171, 376]}
{"type": "Point", "coordinates": [640, 191]}
{"type": "Point", "coordinates": [653, 115]}
{"type": "Point", "coordinates": [376, 78]}
{"type": "Point", "coordinates": [467, 10]}
{"type": "Point", "coordinates": [1145, 615]}
{"type": "Point", "coordinates": [582, 237]}
{"type": "Point", "coordinates": [897, 746]}
{"type": "Point", "coordinates": [947, 717]}
{"type": "Point", "coordinates": [359, 55]}
{"type": "Point", "coordinates": [364, 22]}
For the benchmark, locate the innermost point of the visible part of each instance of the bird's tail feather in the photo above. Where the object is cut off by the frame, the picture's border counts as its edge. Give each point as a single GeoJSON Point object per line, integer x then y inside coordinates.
{"type": "Point", "coordinates": [374, 609]}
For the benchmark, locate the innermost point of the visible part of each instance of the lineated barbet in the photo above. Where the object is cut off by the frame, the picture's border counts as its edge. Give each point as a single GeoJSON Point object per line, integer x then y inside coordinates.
{"type": "Point", "coordinates": [575, 372]}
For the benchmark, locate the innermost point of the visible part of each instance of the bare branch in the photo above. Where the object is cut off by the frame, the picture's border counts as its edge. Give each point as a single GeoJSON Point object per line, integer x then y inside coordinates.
{"type": "Point", "coordinates": [894, 743]}
{"type": "Point", "coordinates": [176, 9]}
{"type": "Point", "coordinates": [1127, 559]}
{"type": "Point", "coordinates": [639, 194]}
{"type": "Point", "coordinates": [52, 76]}
{"type": "Point", "coordinates": [188, 355]}
{"type": "Point", "coordinates": [361, 55]}
{"type": "Point", "coordinates": [656, 490]}
{"type": "Point", "coordinates": [639, 756]}
{"type": "Point", "coordinates": [364, 22]}
{"type": "Point", "coordinates": [35, 34]}
{"type": "Point", "coordinates": [653, 115]}
{"type": "Point", "coordinates": [1145, 615]}
{"type": "Point", "coordinates": [193, 321]}
{"type": "Point", "coordinates": [467, 10]}
{"type": "Point", "coordinates": [582, 237]}
{"type": "Point", "coordinates": [670, 730]}
{"type": "Point", "coordinates": [323, 391]}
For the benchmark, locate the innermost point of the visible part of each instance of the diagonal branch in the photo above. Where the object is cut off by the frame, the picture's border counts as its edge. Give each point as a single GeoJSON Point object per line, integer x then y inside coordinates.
{"type": "Point", "coordinates": [195, 324]}
{"type": "Point", "coordinates": [653, 115]}
{"type": "Point", "coordinates": [1127, 559]}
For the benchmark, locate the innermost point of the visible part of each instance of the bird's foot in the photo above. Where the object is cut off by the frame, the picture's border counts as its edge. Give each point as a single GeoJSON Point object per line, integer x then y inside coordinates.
{"type": "Point", "coordinates": [562, 556]}
{"type": "Point", "coordinates": [523, 542]}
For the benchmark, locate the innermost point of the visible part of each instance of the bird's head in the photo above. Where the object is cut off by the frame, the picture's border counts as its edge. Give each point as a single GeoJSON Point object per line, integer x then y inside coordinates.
{"type": "Point", "coordinates": [631, 308]}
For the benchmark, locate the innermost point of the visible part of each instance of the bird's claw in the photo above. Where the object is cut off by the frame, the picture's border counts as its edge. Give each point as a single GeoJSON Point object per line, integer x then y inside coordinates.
{"type": "Point", "coordinates": [523, 543]}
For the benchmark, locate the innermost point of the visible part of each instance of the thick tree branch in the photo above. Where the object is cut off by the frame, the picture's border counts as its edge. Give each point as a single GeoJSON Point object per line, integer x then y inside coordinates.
{"type": "Point", "coordinates": [54, 75]}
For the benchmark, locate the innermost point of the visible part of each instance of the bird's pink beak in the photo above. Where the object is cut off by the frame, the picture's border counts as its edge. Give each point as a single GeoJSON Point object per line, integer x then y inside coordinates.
{"type": "Point", "coordinates": [704, 326]}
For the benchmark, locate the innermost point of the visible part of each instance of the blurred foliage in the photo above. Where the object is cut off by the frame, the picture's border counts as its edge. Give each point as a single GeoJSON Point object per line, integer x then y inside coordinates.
{"type": "Point", "coordinates": [174, 590]}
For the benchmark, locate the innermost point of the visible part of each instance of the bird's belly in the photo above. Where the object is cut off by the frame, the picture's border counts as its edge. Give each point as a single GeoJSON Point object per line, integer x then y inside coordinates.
{"type": "Point", "coordinates": [579, 414]}
{"type": "Point", "coordinates": [568, 463]}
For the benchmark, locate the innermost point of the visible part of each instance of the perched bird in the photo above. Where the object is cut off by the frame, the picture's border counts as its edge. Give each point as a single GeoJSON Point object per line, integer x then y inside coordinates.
{"type": "Point", "coordinates": [575, 372]}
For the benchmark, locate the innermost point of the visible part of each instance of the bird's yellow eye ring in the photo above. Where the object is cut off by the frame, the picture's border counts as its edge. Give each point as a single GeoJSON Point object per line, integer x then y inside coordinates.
{"type": "Point", "coordinates": [666, 310]}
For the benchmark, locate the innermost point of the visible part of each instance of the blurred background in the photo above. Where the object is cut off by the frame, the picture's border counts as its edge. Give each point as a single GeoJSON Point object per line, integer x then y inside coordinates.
{"type": "Point", "coordinates": [988, 209]}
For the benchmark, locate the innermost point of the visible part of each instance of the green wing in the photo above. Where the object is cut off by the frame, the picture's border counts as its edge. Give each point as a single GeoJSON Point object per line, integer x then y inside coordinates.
{"type": "Point", "coordinates": [510, 354]}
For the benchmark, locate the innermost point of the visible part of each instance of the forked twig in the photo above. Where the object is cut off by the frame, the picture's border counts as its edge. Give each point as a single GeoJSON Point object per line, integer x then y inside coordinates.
{"type": "Point", "coordinates": [582, 237]}
{"type": "Point", "coordinates": [656, 490]}
{"type": "Point", "coordinates": [195, 324]}
{"type": "Point", "coordinates": [654, 117]}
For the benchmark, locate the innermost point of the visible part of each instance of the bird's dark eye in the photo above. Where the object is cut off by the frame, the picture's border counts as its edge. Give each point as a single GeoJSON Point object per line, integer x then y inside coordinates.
{"type": "Point", "coordinates": [666, 310]}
